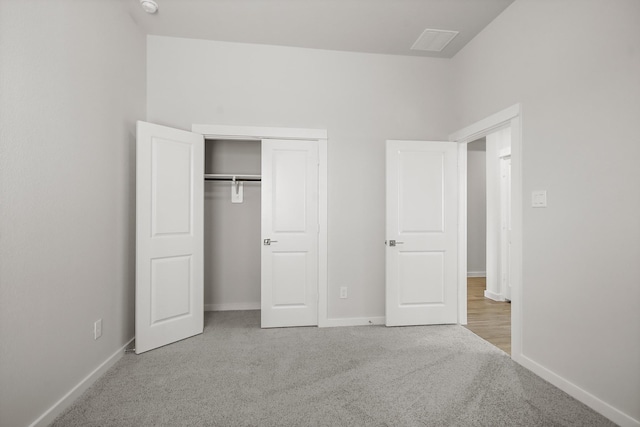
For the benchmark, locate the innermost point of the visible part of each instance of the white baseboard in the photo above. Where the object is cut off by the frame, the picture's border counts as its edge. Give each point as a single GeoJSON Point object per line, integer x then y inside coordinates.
{"type": "Point", "coordinates": [353, 321]}
{"type": "Point", "coordinates": [493, 296]}
{"type": "Point", "coordinates": [233, 306]}
{"type": "Point", "coordinates": [578, 393]}
{"type": "Point", "coordinates": [476, 274]}
{"type": "Point", "coordinates": [66, 400]}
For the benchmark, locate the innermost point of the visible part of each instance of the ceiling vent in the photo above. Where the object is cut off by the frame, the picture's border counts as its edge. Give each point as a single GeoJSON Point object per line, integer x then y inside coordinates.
{"type": "Point", "coordinates": [433, 40]}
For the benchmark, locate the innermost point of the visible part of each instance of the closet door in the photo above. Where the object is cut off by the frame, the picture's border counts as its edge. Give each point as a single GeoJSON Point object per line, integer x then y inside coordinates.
{"type": "Point", "coordinates": [169, 235]}
{"type": "Point", "coordinates": [422, 233]}
{"type": "Point", "coordinates": [289, 233]}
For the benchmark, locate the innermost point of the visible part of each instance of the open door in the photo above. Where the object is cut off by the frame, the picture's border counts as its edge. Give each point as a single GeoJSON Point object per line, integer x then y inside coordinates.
{"type": "Point", "coordinates": [289, 233]}
{"type": "Point", "coordinates": [169, 235]}
{"type": "Point", "coordinates": [422, 233]}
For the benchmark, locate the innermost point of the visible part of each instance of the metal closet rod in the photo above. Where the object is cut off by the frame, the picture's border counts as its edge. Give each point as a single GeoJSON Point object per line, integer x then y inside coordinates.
{"type": "Point", "coordinates": [231, 177]}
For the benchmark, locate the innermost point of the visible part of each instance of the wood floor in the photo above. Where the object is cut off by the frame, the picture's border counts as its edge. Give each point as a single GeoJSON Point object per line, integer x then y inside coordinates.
{"type": "Point", "coordinates": [491, 320]}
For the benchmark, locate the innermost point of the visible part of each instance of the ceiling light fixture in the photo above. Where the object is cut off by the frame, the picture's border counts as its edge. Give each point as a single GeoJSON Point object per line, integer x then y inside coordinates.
{"type": "Point", "coordinates": [149, 6]}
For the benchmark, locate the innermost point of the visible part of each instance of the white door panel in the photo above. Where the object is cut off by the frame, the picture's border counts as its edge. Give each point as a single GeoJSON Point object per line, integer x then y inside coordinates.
{"type": "Point", "coordinates": [290, 233]}
{"type": "Point", "coordinates": [169, 235]}
{"type": "Point", "coordinates": [420, 181]}
{"type": "Point", "coordinates": [422, 224]}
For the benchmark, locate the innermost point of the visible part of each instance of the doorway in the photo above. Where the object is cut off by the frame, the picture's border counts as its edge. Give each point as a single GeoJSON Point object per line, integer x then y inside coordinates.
{"type": "Point", "coordinates": [507, 118]}
{"type": "Point", "coordinates": [488, 219]}
{"type": "Point", "coordinates": [279, 253]}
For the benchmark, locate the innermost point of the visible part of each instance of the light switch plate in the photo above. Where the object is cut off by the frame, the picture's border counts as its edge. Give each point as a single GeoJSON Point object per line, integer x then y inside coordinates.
{"type": "Point", "coordinates": [539, 199]}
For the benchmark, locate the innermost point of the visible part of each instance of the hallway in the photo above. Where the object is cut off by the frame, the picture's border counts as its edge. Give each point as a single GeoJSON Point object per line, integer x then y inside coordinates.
{"type": "Point", "coordinates": [490, 320]}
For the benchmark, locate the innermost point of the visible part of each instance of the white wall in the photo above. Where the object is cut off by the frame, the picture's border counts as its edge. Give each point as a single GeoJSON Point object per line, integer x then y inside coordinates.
{"type": "Point", "coordinates": [362, 100]}
{"type": "Point", "coordinates": [575, 67]}
{"type": "Point", "coordinates": [476, 209]}
{"type": "Point", "coordinates": [72, 83]}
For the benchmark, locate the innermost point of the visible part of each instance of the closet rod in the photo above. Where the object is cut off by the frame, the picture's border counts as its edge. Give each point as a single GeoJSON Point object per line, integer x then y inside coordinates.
{"type": "Point", "coordinates": [229, 177]}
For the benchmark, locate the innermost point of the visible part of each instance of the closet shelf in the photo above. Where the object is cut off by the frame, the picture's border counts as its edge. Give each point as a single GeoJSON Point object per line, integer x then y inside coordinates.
{"type": "Point", "coordinates": [231, 177]}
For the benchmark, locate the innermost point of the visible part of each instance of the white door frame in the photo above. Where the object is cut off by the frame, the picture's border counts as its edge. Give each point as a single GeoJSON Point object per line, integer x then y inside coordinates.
{"type": "Point", "coordinates": [508, 117]}
{"type": "Point", "coordinates": [259, 133]}
{"type": "Point", "coordinates": [505, 223]}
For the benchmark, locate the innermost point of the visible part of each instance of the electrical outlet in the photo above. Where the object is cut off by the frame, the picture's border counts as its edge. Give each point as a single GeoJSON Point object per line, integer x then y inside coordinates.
{"type": "Point", "coordinates": [97, 329]}
{"type": "Point", "coordinates": [343, 292]}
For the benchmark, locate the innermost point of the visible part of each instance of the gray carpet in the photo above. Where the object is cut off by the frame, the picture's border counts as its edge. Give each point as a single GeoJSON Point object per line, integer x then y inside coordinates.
{"type": "Point", "coordinates": [237, 374]}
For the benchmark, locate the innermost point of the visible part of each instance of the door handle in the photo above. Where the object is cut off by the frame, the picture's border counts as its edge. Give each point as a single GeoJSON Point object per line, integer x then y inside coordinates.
{"type": "Point", "coordinates": [268, 242]}
{"type": "Point", "coordinates": [394, 243]}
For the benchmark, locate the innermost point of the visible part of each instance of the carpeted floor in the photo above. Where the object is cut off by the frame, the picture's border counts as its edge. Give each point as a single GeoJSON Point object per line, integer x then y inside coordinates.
{"type": "Point", "coordinates": [236, 374]}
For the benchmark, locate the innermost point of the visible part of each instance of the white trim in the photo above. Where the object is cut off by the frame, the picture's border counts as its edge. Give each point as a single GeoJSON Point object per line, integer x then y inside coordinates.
{"type": "Point", "coordinates": [462, 234]}
{"type": "Point", "coordinates": [517, 291]}
{"type": "Point", "coordinates": [232, 306]}
{"type": "Point", "coordinates": [493, 296]}
{"type": "Point", "coordinates": [50, 414]}
{"type": "Point", "coordinates": [257, 132]}
{"type": "Point", "coordinates": [354, 321]}
{"type": "Point", "coordinates": [504, 280]}
{"type": "Point", "coordinates": [508, 117]}
{"type": "Point", "coordinates": [320, 135]}
{"type": "Point", "coordinates": [476, 274]}
{"type": "Point", "coordinates": [580, 394]}
{"type": "Point", "coordinates": [486, 126]}
{"type": "Point", "coordinates": [323, 234]}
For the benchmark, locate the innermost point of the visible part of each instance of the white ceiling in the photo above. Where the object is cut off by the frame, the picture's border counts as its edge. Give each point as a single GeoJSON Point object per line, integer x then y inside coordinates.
{"type": "Point", "coordinates": [374, 26]}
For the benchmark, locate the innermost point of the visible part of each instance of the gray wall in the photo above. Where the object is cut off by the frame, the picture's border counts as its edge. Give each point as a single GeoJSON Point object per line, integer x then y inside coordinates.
{"type": "Point", "coordinates": [476, 208]}
{"type": "Point", "coordinates": [362, 100]}
{"type": "Point", "coordinates": [580, 96]}
{"type": "Point", "coordinates": [232, 230]}
{"type": "Point", "coordinates": [72, 84]}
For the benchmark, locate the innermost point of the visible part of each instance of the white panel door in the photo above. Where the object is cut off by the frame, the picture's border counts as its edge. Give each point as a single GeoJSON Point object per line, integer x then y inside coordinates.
{"type": "Point", "coordinates": [169, 235]}
{"type": "Point", "coordinates": [289, 233]}
{"type": "Point", "coordinates": [422, 233]}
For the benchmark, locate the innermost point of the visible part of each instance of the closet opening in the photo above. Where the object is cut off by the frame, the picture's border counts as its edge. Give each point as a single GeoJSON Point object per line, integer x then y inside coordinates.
{"type": "Point", "coordinates": [266, 241]}
{"type": "Point", "coordinates": [232, 221]}
{"type": "Point", "coordinates": [228, 218]}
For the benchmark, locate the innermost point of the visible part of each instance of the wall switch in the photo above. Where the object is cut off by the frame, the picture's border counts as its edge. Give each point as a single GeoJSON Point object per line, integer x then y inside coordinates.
{"type": "Point", "coordinates": [97, 329]}
{"type": "Point", "coordinates": [539, 199]}
{"type": "Point", "coordinates": [343, 292]}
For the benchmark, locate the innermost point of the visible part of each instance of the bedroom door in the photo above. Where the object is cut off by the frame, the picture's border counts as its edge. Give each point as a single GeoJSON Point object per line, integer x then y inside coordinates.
{"type": "Point", "coordinates": [421, 232]}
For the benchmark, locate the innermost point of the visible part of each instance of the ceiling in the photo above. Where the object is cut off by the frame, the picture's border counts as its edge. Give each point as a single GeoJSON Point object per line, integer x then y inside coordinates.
{"type": "Point", "coordinates": [373, 26]}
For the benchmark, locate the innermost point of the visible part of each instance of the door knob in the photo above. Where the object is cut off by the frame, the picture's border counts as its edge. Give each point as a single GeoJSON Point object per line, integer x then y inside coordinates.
{"type": "Point", "coordinates": [393, 243]}
{"type": "Point", "coordinates": [268, 242]}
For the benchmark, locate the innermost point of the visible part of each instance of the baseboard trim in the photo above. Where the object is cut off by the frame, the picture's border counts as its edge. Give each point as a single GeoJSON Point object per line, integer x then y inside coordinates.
{"type": "Point", "coordinates": [353, 321]}
{"type": "Point", "coordinates": [493, 296]}
{"type": "Point", "coordinates": [476, 274]}
{"type": "Point", "coordinates": [233, 306]}
{"type": "Point", "coordinates": [578, 393]}
{"type": "Point", "coordinates": [62, 404]}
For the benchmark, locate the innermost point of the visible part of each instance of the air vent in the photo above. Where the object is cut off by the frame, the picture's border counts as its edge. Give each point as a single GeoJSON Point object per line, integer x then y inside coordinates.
{"type": "Point", "coordinates": [434, 40]}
